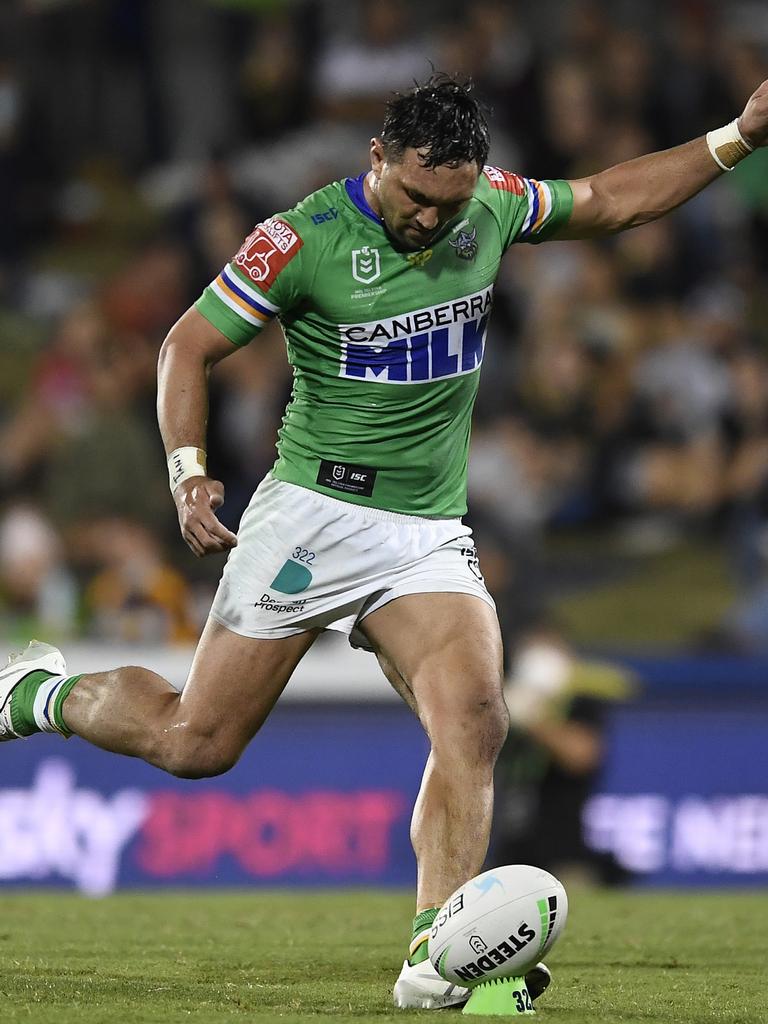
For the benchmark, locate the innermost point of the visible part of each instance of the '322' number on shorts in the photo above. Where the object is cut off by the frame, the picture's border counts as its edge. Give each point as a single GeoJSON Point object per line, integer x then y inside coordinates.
{"type": "Point", "coordinates": [302, 555]}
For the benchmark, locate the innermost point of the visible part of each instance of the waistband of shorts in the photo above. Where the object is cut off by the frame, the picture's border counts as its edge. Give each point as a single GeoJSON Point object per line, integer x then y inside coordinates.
{"type": "Point", "coordinates": [366, 511]}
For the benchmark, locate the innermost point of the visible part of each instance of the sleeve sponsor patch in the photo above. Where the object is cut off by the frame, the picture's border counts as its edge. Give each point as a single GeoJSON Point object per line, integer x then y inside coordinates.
{"type": "Point", "coordinates": [267, 250]}
{"type": "Point", "coordinates": [506, 181]}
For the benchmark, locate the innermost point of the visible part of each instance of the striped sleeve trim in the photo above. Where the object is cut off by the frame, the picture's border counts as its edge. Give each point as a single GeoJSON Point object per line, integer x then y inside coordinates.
{"type": "Point", "coordinates": [540, 207]}
{"type": "Point", "coordinates": [243, 299]}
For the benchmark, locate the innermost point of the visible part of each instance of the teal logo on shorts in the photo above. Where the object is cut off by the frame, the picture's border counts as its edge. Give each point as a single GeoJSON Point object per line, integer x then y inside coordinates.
{"type": "Point", "coordinates": [292, 578]}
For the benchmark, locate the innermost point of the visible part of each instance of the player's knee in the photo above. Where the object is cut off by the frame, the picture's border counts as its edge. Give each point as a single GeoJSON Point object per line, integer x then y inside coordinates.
{"type": "Point", "coordinates": [477, 732]}
{"type": "Point", "coordinates": [491, 727]}
{"type": "Point", "coordinates": [199, 757]}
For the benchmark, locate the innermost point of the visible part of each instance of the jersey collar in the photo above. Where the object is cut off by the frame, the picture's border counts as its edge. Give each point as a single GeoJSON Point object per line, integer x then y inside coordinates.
{"type": "Point", "coordinates": [356, 193]}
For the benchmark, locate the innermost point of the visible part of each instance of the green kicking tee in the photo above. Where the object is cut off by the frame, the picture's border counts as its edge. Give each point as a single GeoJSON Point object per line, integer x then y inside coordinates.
{"type": "Point", "coordinates": [385, 344]}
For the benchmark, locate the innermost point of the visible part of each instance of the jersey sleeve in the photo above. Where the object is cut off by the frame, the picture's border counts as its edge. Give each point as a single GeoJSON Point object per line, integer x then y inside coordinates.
{"type": "Point", "coordinates": [528, 210]}
{"type": "Point", "coordinates": [259, 283]}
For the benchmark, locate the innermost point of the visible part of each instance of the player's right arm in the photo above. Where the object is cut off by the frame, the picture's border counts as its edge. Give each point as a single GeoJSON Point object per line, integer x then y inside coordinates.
{"type": "Point", "coordinates": [648, 187]}
{"type": "Point", "coordinates": [192, 347]}
{"type": "Point", "coordinates": [249, 292]}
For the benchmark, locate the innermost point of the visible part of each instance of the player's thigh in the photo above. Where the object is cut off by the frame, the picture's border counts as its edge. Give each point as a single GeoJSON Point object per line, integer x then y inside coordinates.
{"type": "Point", "coordinates": [235, 680]}
{"type": "Point", "coordinates": [447, 649]}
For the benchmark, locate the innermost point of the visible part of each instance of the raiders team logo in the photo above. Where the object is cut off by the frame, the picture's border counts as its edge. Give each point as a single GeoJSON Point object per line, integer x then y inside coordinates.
{"type": "Point", "coordinates": [465, 244]}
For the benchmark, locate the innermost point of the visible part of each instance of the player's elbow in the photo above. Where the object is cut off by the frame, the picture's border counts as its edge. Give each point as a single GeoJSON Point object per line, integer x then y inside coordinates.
{"type": "Point", "coordinates": [193, 343]}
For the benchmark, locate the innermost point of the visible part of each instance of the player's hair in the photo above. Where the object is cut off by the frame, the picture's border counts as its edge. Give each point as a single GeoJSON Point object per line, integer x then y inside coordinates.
{"type": "Point", "coordinates": [440, 116]}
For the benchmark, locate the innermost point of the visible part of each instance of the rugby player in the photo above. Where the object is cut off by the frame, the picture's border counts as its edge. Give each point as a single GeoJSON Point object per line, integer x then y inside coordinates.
{"type": "Point", "coordinates": [383, 285]}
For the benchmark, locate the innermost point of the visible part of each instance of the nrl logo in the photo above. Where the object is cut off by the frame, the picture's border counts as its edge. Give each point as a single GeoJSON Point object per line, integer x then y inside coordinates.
{"type": "Point", "coordinates": [465, 244]}
{"type": "Point", "coordinates": [418, 259]}
{"type": "Point", "coordinates": [366, 264]}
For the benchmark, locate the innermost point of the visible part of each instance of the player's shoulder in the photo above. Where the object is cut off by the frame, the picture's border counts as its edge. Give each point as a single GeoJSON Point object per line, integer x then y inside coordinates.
{"type": "Point", "coordinates": [322, 208]}
{"type": "Point", "coordinates": [287, 245]}
{"type": "Point", "coordinates": [495, 182]}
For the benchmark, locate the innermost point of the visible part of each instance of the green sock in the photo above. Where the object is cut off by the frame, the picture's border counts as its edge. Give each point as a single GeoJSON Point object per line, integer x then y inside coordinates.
{"type": "Point", "coordinates": [49, 719]}
{"type": "Point", "coordinates": [417, 953]}
{"type": "Point", "coordinates": [64, 691]}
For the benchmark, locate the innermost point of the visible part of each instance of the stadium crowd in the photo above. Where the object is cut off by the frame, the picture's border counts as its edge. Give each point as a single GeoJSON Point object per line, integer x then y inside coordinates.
{"type": "Point", "coordinates": [626, 382]}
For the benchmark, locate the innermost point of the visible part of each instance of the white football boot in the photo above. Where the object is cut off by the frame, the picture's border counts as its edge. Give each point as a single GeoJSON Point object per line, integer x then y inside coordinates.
{"type": "Point", "coordinates": [420, 987]}
{"type": "Point", "coordinates": [37, 656]}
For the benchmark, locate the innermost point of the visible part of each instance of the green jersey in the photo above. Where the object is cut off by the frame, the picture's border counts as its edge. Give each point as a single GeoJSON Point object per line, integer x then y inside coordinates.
{"type": "Point", "coordinates": [386, 345]}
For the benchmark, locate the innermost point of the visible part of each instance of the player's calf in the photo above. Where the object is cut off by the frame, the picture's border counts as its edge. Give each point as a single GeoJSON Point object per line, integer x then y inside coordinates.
{"type": "Point", "coordinates": [102, 708]}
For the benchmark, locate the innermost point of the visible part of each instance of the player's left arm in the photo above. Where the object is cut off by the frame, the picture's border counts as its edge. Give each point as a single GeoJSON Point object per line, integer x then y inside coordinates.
{"type": "Point", "coordinates": [644, 189]}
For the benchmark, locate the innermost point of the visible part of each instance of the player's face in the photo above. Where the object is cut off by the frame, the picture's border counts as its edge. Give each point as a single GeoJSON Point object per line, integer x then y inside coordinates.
{"type": "Point", "coordinates": [416, 202]}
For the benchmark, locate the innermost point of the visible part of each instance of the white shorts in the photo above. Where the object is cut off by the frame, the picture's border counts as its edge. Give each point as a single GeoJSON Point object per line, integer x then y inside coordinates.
{"type": "Point", "coordinates": [308, 561]}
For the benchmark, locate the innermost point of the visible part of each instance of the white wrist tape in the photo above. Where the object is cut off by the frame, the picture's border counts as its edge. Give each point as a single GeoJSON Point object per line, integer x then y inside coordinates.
{"type": "Point", "coordinates": [185, 462]}
{"type": "Point", "coordinates": [727, 145]}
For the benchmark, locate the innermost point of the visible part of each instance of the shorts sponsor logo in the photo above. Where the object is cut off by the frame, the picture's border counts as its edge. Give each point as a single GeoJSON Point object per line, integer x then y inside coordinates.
{"type": "Point", "coordinates": [267, 250]}
{"type": "Point", "coordinates": [366, 264]}
{"type": "Point", "coordinates": [503, 180]}
{"type": "Point", "coordinates": [268, 603]}
{"type": "Point", "coordinates": [292, 578]}
{"type": "Point", "coordinates": [424, 345]}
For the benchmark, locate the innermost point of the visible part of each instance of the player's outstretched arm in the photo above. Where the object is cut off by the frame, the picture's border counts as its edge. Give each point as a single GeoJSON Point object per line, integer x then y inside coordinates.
{"type": "Point", "coordinates": [644, 189]}
{"type": "Point", "coordinates": [192, 347]}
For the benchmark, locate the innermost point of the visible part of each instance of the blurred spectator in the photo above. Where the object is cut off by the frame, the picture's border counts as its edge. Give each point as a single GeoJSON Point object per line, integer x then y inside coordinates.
{"type": "Point", "coordinates": [38, 593]}
{"type": "Point", "coordinates": [275, 73]}
{"type": "Point", "coordinates": [212, 224]}
{"type": "Point", "coordinates": [547, 769]}
{"type": "Point", "coordinates": [135, 597]}
{"type": "Point", "coordinates": [358, 70]}
{"type": "Point", "coordinates": [10, 121]}
{"type": "Point", "coordinates": [60, 385]}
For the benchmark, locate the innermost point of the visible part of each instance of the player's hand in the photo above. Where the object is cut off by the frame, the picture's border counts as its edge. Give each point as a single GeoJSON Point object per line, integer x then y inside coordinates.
{"type": "Point", "coordinates": [196, 499]}
{"type": "Point", "coordinates": [753, 123]}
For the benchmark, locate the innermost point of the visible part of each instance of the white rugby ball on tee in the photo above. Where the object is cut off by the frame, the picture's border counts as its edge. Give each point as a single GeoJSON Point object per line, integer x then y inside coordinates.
{"type": "Point", "coordinates": [497, 925]}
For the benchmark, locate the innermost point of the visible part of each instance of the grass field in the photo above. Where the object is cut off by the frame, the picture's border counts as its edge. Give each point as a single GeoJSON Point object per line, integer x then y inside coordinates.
{"type": "Point", "coordinates": [288, 956]}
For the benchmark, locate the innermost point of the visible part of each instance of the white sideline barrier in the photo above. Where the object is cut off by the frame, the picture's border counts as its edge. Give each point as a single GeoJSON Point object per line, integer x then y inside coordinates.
{"type": "Point", "coordinates": [330, 671]}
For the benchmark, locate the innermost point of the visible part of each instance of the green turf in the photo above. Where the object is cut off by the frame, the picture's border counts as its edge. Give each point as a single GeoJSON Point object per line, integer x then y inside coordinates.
{"type": "Point", "coordinates": [255, 957]}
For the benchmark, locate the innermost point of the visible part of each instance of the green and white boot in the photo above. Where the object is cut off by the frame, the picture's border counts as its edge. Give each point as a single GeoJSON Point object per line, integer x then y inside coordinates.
{"type": "Point", "coordinates": [32, 689]}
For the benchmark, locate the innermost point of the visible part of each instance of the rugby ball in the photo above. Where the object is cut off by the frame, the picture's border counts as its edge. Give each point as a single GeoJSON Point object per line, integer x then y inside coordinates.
{"type": "Point", "coordinates": [497, 925]}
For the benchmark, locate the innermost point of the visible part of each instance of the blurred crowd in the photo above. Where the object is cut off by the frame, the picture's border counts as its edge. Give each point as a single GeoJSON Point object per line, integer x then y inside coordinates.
{"type": "Point", "coordinates": [625, 382]}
